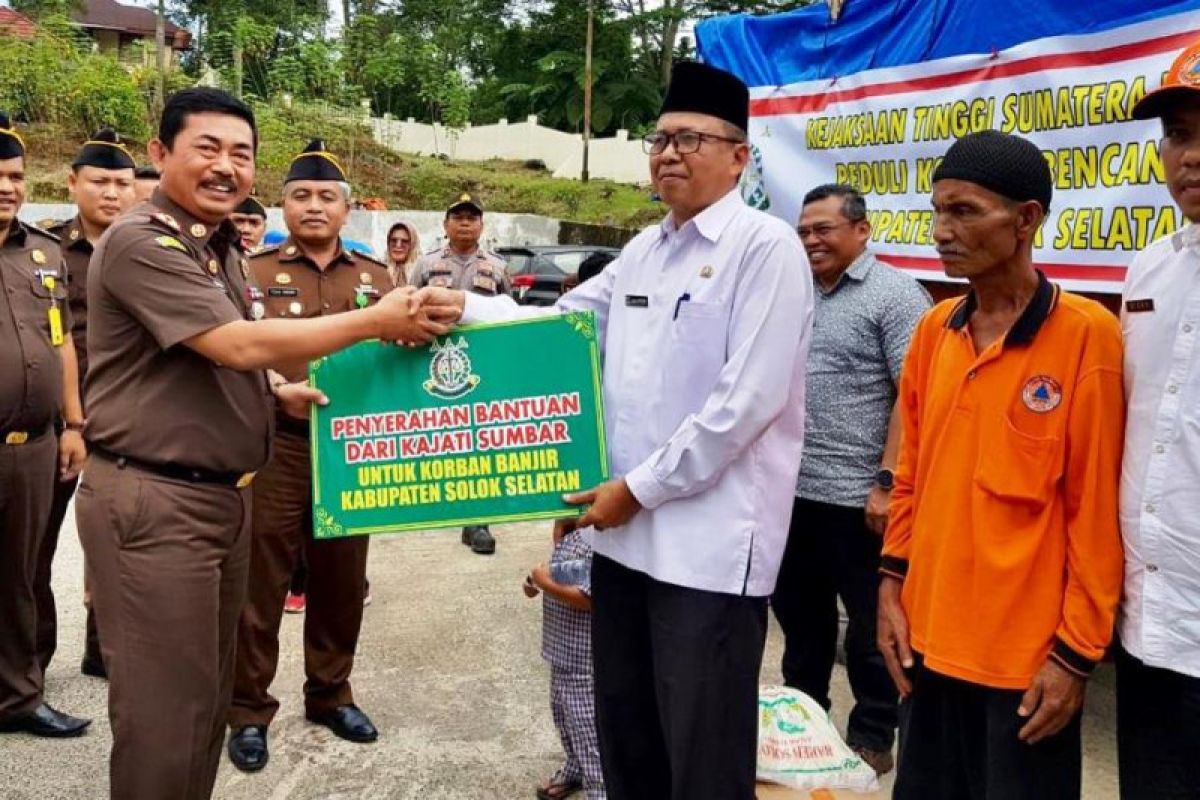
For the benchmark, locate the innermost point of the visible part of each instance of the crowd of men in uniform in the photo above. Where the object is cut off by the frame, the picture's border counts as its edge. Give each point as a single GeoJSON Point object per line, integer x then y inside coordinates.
{"type": "Point", "coordinates": [965, 483]}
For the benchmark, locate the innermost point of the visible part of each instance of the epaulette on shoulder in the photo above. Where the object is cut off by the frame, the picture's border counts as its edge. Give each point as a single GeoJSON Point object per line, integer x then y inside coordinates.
{"type": "Point", "coordinates": [263, 251]}
{"type": "Point", "coordinates": [165, 220]}
{"type": "Point", "coordinates": [50, 223]}
{"type": "Point", "coordinates": [370, 258]}
{"type": "Point", "coordinates": [38, 230]}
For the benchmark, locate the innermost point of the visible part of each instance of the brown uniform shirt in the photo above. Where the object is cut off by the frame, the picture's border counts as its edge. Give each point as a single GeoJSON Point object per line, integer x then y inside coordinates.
{"type": "Point", "coordinates": [31, 377]}
{"type": "Point", "coordinates": [480, 272]}
{"type": "Point", "coordinates": [158, 278]}
{"type": "Point", "coordinates": [76, 253]}
{"type": "Point", "coordinates": [296, 288]}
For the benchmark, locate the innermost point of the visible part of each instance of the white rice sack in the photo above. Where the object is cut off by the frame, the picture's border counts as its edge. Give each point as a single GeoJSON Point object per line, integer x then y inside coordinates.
{"type": "Point", "coordinates": [799, 747]}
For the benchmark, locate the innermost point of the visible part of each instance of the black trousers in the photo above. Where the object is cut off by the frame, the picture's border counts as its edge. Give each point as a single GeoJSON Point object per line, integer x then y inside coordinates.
{"type": "Point", "coordinates": [1158, 731]}
{"type": "Point", "coordinates": [958, 741]}
{"type": "Point", "coordinates": [676, 673]}
{"type": "Point", "coordinates": [830, 553]}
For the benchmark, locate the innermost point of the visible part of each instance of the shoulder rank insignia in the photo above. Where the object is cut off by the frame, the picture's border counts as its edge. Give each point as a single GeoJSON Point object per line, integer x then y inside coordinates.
{"type": "Point", "coordinates": [171, 242]}
{"type": "Point", "coordinates": [166, 219]}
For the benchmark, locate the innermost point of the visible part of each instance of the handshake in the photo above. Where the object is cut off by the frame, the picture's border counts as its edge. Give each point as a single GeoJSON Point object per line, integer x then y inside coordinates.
{"type": "Point", "coordinates": [413, 317]}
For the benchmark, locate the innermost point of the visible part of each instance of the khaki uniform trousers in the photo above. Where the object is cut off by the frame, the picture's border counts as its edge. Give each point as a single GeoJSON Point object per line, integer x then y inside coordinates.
{"type": "Point", "coordinates": [168, 561]}
{"type": "Point", "coordinates": [337, 571]}
{"type": "Point", "coordinates": [27, 475]}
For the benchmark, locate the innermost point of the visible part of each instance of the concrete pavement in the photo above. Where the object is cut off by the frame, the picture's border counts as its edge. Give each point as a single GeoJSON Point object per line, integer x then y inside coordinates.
{"type": "Point", "coordinates": [449, 669]}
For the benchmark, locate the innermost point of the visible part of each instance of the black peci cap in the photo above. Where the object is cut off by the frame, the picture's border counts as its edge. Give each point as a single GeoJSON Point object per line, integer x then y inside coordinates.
{"type": "Point", "coordinates": [1005, 164]}
{"type": "Point", "coordinates": [700, 89]}
{"type": "Point", "coordinates": [11, 143]}
{"type": "Point", "coordinates": [251, 206]}
{"type": "Point", "coordinates": [104, 150]}
{"type": "Point", "coordinates": [315, 163]}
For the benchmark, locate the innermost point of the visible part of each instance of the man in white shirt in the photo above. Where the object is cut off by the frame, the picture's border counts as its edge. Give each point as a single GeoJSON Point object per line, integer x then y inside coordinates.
{"type": "Point", "coordinates": [1158, 664]}
{"type": "Point", "coordinates": [705, 322]}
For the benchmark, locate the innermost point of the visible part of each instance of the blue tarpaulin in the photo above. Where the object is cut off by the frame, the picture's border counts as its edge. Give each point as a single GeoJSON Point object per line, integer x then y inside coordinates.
{"type": "Point", "coordinates": [805, 45]}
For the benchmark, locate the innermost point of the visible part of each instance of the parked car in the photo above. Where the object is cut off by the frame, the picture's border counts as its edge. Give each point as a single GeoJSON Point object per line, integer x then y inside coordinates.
{"type": "Point", "coordinates": [538, 271]}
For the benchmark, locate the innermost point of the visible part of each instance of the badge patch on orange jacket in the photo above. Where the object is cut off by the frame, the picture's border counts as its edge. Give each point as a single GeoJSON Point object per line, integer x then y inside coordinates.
{"type": "Point", "coordinates": [1041, 394]}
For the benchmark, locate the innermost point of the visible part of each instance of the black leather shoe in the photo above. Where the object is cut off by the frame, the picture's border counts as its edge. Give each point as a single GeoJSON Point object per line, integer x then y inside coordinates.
{"type": "Point", "coordinates": [349, 722]}
{"type": "Point", "coordinates": [45, 721]}
{"type": "Point", "coordinates": [482, 541]}
{"type": "Point", "coordinates": [248, 748]}
{"type": "Point", "coordinates": [93, 667]}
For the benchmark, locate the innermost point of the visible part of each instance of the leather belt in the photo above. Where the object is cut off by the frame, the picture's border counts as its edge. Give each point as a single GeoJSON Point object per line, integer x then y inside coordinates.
{"type": "Point", "coordinates": [15, 437]}
{"type": "Point", "coordinates": [179, 472]}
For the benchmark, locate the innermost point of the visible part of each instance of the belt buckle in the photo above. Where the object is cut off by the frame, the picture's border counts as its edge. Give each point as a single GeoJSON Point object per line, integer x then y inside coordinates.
{"type": "Point", "coordinates": [16, 438]}
{"type": "Point", "coordinates": [246, 480]}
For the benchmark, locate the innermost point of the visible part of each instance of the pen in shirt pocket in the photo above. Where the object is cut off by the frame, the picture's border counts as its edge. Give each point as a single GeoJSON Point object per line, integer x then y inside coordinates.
{"type": "Point", "coordinates": [683, 298]}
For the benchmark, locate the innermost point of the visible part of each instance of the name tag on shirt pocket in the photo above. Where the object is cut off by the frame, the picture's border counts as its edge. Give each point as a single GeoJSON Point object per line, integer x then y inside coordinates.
{"type": "Point", "coordinates": [1136, 306]}
{"type": "Point", "coordinates": [637, 301]}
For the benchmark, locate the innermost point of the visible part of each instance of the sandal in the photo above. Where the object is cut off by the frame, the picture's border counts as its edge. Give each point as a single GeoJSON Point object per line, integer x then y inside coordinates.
{"type": "Point", "coordinates": [557, 791]}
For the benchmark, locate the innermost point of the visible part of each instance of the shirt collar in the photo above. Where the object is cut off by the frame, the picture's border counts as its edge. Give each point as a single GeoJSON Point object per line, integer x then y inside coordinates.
{"type": "Point", "coordinates": [1044, 301]}
{"type": "Point", "coordinates": [857, 271]}
{"type": "Point", "coordinates": [289, 251]}
{"type": "Point", "coordinates": [196, 230]}
{"type": "Point", "coordinates": [17, 233]}
{"type": "Point", "coordinates": [1187, 237]}
{"type": "Point", "coordinates": [74, 237]}
{"type": "Point", "coordinates": [712, 221]}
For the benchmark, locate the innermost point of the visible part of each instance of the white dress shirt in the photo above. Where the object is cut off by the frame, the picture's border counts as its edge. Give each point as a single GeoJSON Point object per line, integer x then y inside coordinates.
{"type": "Point", "coordinates": [705, 334]}
{"type": "Point", "coordinates": [1160, 472]}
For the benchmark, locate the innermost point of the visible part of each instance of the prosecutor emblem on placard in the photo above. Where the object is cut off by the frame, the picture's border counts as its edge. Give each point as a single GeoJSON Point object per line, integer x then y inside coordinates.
{"type": "Point", "coordinates": [450, 373]}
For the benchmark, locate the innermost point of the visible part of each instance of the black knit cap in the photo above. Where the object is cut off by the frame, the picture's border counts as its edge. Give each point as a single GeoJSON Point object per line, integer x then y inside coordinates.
{"type": "Point", "coordinates": [315, 163]}
{"type": "Point", "coordinates": [700, 89]}
{"type": "Point", "coordinates": [251, 206]}
{"type": "Point", "coordinates": [104, 150]}
{"type": "Point", "coordinates": [1007, 165]}
{"type": "Point", "coordinates": [11, 143]}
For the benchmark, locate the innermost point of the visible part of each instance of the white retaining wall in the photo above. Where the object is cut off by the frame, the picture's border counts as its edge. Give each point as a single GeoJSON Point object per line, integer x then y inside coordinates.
{"type": "Point", "coordinates": [616, 158]}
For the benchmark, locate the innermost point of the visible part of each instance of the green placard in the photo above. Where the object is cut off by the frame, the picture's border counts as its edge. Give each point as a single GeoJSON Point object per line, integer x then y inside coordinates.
{"type": "Point", "coordinates": [493, 423]}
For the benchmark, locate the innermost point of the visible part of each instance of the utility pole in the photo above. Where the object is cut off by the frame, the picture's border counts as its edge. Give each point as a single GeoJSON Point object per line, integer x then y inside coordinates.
{"type": "Point", "coordinates": [587, 92]}
{"type": "Point", "coordinates": [238, 78]}
{"type": "Point", "coordinates": [160, 44]}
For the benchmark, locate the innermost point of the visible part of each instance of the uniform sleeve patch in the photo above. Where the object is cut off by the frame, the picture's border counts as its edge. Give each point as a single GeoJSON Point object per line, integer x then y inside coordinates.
{"type": "Point", "coordinates": [171, 242]}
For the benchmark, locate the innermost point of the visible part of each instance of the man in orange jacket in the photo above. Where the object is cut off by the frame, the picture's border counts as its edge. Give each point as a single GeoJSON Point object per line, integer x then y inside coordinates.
{"type": "Point", "coordinates": [1002, 560]}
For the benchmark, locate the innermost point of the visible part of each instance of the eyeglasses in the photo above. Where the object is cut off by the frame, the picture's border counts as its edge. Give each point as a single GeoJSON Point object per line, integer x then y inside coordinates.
{"type": "Point", "coordinates": [821, 231]}
{"type": "Point", "coordinates": [685, 141]}
{"type": "Point", "coordinates": [398, 242]}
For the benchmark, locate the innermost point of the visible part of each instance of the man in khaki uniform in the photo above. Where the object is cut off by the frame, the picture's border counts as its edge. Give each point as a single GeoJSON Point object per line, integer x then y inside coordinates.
{"type": "Point", "coordinates": [101, 183]}
{"type": "Point", "coordinates": [308, 275]}
{"type": "Point", "coordinates": [179, 418]}
{"type": "Point", "coordinates": [463, 264]}
{"type": "Point", "coordinates": [38, 389]}
{"type": "Point", "coordinates": [250, 219]}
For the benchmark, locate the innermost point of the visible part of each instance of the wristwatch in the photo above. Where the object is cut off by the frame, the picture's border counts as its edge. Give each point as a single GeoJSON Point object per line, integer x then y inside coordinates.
{"type": "Point", "coordinates": [885, 479]}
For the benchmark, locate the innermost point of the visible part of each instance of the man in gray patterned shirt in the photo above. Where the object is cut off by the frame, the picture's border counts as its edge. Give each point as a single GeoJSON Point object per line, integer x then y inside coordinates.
{"type": "Point", "coordinates": [865, 313]}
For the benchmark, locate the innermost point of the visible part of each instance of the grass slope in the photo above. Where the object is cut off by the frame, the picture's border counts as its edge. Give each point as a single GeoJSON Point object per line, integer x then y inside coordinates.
{"type": "Point", "coordinates": [402, 181]}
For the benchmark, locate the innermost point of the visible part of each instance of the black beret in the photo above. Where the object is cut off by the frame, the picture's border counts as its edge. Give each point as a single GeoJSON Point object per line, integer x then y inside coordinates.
{"type": "Point", "coordinates": [700, 89]}
{"type": "Point", "coordinates": [104, 150]}
{"type": "Point", "coordinates": [315, 163]}
{"type": "Point", "coordinates": [1007, 165]}
{"type": "Point", "coordinates": [251, 206]}
{"type": "Point", "coordinates": [11, 143]}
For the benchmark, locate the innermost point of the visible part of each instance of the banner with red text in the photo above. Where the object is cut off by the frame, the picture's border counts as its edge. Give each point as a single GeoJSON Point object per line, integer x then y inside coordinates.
{"type": "Point", "coordinates": [492, 424]}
